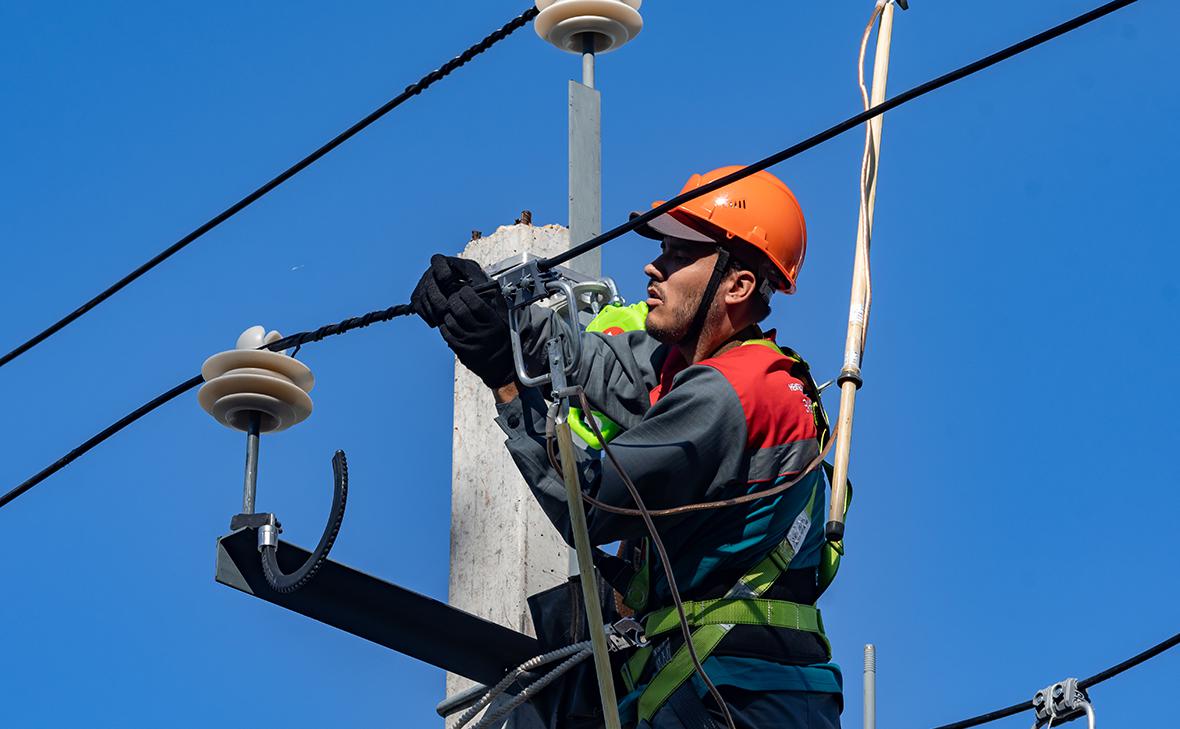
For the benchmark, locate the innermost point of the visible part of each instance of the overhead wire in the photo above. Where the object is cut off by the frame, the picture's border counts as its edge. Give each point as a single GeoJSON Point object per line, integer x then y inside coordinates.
{"type": "Point", "coordinates": [551, 262]}
{"type": "Point", "coordinates": [599, 240]}
{"type": "Point", "coordinates": [410, 91]}
{"type": "Point", "coordinates": [295, 340]}
{"type": "Point", "coordinates": [1083, 684]}
{"type": "Point", "coordinates": [838, 129]}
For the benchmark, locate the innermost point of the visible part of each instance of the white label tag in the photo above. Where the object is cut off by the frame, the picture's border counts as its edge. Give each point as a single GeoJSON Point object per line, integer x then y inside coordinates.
{"type": "Point", "coordinates": [799, 531]}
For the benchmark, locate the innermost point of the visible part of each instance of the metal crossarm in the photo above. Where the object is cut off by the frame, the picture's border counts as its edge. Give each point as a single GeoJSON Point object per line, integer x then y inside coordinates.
{"type": "Point", "coordinates": [400, 619]}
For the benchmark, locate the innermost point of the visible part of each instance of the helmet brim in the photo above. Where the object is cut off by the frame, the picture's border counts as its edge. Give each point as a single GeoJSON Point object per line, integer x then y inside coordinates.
{"type": "Point", "coordinates": [666, 226]}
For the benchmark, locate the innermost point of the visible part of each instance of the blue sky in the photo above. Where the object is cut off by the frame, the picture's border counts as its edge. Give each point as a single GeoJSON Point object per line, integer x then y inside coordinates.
{"type": "Point", "coordinates": [1014, 438]}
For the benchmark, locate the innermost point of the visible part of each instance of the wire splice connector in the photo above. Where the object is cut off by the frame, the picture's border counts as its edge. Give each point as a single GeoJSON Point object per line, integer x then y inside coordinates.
{"type": "Point", "coordinates": [1062, 702]}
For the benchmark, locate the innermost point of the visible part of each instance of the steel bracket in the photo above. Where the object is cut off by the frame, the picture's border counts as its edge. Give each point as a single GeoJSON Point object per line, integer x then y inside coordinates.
{"type": "Point", "coordinates": [386, 614]}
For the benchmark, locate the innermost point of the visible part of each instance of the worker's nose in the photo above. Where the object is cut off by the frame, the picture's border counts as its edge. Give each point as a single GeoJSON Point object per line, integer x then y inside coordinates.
{"type": "Point", "coordinates": [652, 272]}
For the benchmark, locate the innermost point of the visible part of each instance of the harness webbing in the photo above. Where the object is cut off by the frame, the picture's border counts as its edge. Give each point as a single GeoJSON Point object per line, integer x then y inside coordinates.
{"type": "Point", "coordinates": [740, 611]}
{"type": "Point", "coordinates": [713, 619]}
{"type": "Point", "coordinates": [744, 604]}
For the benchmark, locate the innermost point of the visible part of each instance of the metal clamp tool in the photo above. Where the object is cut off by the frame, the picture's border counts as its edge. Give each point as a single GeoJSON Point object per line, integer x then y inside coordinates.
{"type": "Point", "coordinates": [575, 296]}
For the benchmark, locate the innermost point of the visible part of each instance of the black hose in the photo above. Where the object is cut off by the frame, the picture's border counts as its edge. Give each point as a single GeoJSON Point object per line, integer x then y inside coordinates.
{"type": "Point", "coordinates": [280, 582]}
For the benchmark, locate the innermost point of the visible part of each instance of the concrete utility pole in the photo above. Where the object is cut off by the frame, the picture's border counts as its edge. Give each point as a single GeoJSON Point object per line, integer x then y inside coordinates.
{"type": "Point", "coordinates": [503, 547]}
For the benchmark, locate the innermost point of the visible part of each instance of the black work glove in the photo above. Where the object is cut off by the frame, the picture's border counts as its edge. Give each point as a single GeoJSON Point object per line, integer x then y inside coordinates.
{"type": "Point", "coordinates": [476, 330]}
{"type": "Point", "coordinates": [444, 278]}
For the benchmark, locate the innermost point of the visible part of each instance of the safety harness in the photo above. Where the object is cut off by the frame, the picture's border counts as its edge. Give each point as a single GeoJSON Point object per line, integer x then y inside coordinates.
{"type": "Point", "coordinates": [743, 604]}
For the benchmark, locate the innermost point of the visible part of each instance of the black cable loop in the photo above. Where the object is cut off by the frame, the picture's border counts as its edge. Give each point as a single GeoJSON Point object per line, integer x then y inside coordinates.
{"type": "Point", "coordinates": [284, 583]}
{"type": "Point", "coordinates": [410, 91]}
{"type": "Point", "coordinates": [295, 340]}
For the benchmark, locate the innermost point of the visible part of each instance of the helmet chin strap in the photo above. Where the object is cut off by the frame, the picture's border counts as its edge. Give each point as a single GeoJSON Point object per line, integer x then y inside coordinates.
{"type": "Point", "coordinates": [698, 319]}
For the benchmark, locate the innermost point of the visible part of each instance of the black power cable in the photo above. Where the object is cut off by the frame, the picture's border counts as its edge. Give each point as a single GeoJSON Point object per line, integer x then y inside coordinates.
{"type": "Point", "coordinates": [411, 91]}
{"type": "Point", "coordinates": [844, 126]}
{"type": "Point", "coordinates": [991, 716]}
{"type": "Point", "coordinates": [1143, 657]}
{"type": "Point", "coordinates": [295, 340]}
{"type": "Point", "coordinates": [548, 263]}
{"type": "Point", "coordinates": [1085, 683]}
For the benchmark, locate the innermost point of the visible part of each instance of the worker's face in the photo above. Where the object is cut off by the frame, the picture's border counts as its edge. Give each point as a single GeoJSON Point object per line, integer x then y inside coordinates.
{"type": "Point", "coordinates": [678, 278]}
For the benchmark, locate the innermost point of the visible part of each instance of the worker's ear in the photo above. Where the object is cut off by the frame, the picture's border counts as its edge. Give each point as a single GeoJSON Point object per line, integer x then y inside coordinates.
{"type": "Point", "coordinates": [740, 286]}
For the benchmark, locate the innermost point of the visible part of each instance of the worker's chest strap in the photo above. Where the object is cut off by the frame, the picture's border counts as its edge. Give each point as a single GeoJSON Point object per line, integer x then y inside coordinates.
{"type": "Point", "coordinates": [711, 620]}
{"type": "Point", "coordinates": [737, 611]}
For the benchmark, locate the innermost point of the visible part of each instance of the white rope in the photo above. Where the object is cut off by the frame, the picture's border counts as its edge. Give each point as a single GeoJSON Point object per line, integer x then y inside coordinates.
{"type": "Point", "coordinates": [866, 230]}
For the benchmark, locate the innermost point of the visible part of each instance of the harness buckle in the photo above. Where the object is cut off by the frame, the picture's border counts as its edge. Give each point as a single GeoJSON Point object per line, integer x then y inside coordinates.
{"type": "Point", "coordinates": [626, 633]}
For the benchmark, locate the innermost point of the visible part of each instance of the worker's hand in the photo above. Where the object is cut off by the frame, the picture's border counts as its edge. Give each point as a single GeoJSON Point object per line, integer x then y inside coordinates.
{"type": "Point", "coordinates": [444, 278]}
{"type": "Point", "coordinates": [476, 330]}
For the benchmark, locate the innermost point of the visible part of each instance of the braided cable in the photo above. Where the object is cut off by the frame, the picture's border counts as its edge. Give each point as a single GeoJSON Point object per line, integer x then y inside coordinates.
{"type": "Point", "coordinates": [295, 340]}
{"type": "Point", "coordinates": [502, 686]}
{"type": "Point", "coordinates": [284, 583]}
{"type": "Point", "coordinates": [497, 717]}
{"type": "Point", "coordinates": [410, 92]}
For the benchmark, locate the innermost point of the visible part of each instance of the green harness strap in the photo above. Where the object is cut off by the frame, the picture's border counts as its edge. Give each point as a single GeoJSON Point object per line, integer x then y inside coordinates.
{"type": "Point", "coordinates": [713, 619]}
{"type": "Point", "coordinates": [739, 611]}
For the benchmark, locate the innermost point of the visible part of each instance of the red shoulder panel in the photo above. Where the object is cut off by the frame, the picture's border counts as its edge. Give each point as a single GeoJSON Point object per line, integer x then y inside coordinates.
{"type": "Point", "coordinates": [777, 409]}
{"type": "Point", "coordinates": [674, 364]}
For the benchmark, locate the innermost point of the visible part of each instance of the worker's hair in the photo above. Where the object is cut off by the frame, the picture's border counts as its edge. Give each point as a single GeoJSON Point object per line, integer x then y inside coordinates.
{"type": "Point", "coordinates": [766, 278]}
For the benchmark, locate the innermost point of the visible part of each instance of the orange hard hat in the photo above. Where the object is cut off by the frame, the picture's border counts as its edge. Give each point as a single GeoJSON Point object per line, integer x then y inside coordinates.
{"type": "Point", "coordinates": [759, 210]}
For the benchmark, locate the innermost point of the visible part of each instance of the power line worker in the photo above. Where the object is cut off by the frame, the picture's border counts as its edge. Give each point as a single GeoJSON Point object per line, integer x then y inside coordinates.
{"type": "Point", "coordinates": [708, 407]}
